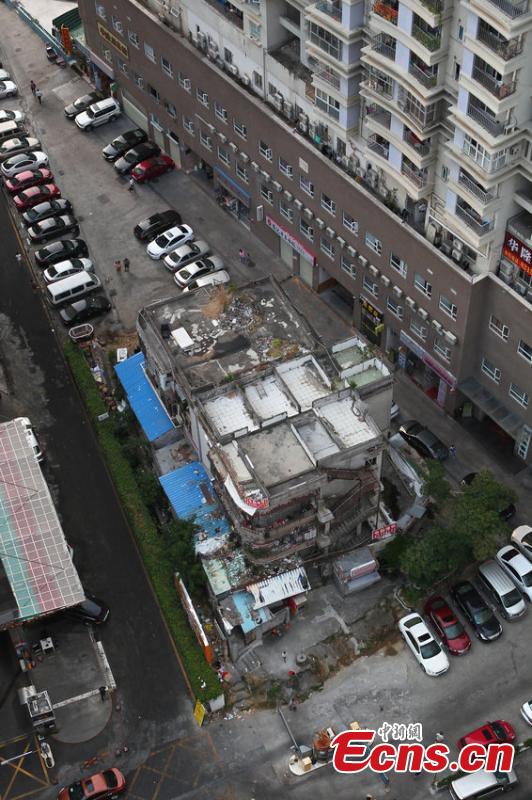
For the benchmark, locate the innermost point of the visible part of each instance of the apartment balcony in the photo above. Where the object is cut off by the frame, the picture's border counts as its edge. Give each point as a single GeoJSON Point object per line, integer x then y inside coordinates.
{"type": "Point", "coordinates": [487, 163]}
{"type": "Point", "coordinates": [474, 188]}
{"type": "Point", "coordinates": [428, 79]}
{"type": "Point", "coordinates": [419, 177]}
{"type": "Point", "coordinates": [378, 146]}
{"type": "Point", "coordinates": [496, 88]}
{"type": "Point", "coordinates": [264, 536]}
{"type": "Point", "coordinates": [379, 115]}
{"type": "Point", "coordinates": [386, 10]}
{"type": "Point", "coordinates": [421, 148]}
{"type": "Point", "coordinates": [333, 10]}
{"type": "Point", "coordinates": [263, 554]}
{"type": "Point", "coordinates": [229, 11]}
{"type": "Point", "coordinates": [424, 116]}
{"type": "Point", "coordinates": [473, 221]}
{"type": "Point", "coordinates": [379, 83]}
{"type": "Point", "coordinates": [511, 9]}
{"type": "Point", "coordinates": [434, 6]}
{"type": "Point", "coordinates": [324, 73]}
{"type": "Point", "coordinates": [485, 120]}
{"type": "Point", "coordinates": [384, 45]}
{"type": "Point", "coordinates": [504, 48]}
{"type": "Point", "coordinates": [432, 41]}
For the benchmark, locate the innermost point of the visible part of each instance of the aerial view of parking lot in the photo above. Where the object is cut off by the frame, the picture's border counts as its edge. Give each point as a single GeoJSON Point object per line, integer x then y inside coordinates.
{"type": "Point", "coordinates": [265, 368]}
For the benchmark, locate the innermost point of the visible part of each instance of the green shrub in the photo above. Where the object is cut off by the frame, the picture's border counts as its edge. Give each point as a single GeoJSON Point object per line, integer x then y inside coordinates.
{"type": "Point", "coordinates": [151, 546]}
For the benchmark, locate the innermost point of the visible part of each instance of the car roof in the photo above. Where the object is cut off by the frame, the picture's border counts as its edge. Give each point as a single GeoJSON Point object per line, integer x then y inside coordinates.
{"type": "Point", "coordinates": [518, 560]}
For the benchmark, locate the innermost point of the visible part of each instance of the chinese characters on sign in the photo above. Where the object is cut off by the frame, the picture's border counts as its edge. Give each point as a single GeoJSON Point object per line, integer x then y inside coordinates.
{"type": "Point", "coordinates": [294, 243]}
{"type": "Point", "coordinates": [384, 532]}
{"type": "Point", "coordinates": [517, 252]}
{"type": "Point", "coordinates": [113, 40]}
{"type": "Point", "coordinates": [372, 321]}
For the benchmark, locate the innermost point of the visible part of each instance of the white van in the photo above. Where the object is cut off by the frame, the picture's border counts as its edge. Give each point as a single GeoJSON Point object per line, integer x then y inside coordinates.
{"type": "Point", "coordinates": [105, 111]}
{"type": "Point", "coordinates": [72, 288]}
{"type": "Point", "coordinates": [482, 784]}
{"type": "Point", "coordinates": [10, 129]}
{"type": "Point", "coordinates": [500, 587]}
{"type": "Point", "coordinates": [214, 279]}
{"type": "Point", "coordinates": [32, 439]}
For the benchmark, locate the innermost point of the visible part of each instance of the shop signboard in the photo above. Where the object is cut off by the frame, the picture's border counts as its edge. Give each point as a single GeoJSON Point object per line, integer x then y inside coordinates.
{"type": "Point", "coordinates": [517, 252]}
{"type": "Point", "coordinates": [442, 373]}
{"type": "Point", "coordinates": [384, 533]}
{"type": "Point", "coordinates": [372, 320]}
{"type": "Point", "coordinates": [113, 40]}
{"type": "Point", "coordinates": [294, 243]}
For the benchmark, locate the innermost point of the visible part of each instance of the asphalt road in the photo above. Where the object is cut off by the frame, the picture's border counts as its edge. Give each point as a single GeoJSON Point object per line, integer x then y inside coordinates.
{"type": "Point", "coordinates": [155, 705]}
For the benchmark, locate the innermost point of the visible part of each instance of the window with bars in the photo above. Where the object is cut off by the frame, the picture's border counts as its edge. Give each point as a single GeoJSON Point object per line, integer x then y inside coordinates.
{"type": "Point", "coordinates": [395, 307]}
{"type": "Point", "coordinates": [266, 193]}
{"type": "Point", "coordinates": [448, 307]}
{"type": "Point", "coordinates": [240, 129]}
{"type": "Point", "coordinates": [206, 141]}
{"type": "Point", "coordinates": [348, 267]}
{"type": "Point", "coordinates": [242, 173]}
{"type": "Point", "coordinates": [442, 349]}
{"type": "Point", "coordinates": [307, 185]}
{"type": "Point", "coordinates": [220, 112]}
{"type": "Point", "coordinates": [489, 369]}
{"type": "Point", "coordinates": [422, 285]}
{"type": "Point", "coordinates": [184, 82]}
{"type": "Point", "coordinates": [223, 155]}
{"type": "Point", "coordinates": [496, 326]}
{"type": "Point", "coordinates": [265, 150]}
{"type": "Point", "coordinates": [285, 211]}
{"type": "Point", "coordinates": [306, 229]}
{"type": "Point", "coordinates": [327, 247]}
{"type": "Point", "coordinates": [328, 204]}
{"type": "Point", "coordinates": [202, 97]}
{"type": "Point", "coordinates": [350, 223]}
{"type": "Point", "coordinates": [373, 243]}
{"type": "Point", "coordinates": [418, 328]}
{"type": "Point", "coordinates": [188, 125]}
{"type": "Point", "coordinates": [518, 394]}
{"type": "Point", "coordinates": [285, 167]}
{"type": "Point", "coordinates": [370, 286]}
{"type": "Point", "coordinates": [398, 264]}
{"type": "Point", "coordinates": [525, 350]}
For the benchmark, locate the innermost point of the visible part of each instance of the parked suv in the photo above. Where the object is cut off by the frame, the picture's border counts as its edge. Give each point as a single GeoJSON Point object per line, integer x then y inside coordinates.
{"type": "Point", "coordinates": [98, 114]}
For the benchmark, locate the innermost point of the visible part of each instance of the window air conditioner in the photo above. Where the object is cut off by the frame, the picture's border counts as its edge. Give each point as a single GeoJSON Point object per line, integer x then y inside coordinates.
{"type": "Point", "coordinates": [437, 325]}
{"type": "Point", "coordinates": [244, 157]}
{"type": "Point", "coordinates": [352, 252]}
{"type": "Point", "coordinates": [232, 70]}
{"type": "Point", "coordinates": [374, 271]}
{"type": "Point", "coordinates": [450, 337]}
{"type": "Point", "coordinates": [298, 204]}
{"type": "Point", "coordinates": [340, 241]}
{"type": "Point", "coordinates": [233, 146]}
{"type": "Point", "coordinates": [397, 291]}
{"type": "Point", "coordinates": [277, 186]}
{"type": "Point", "coordinates": [288, 195]}
{"type": "Point", "coordinates": [422, 313]}
{"type": "Point", "coordinates": [222, 137]}
{"type": "Point", "coordinates": [308, 213]}
{"type": "Point", "coordinates": [385, 280]}
{"type": "Point", "coordinates": [254, 166]}
{"type": "Point", "coordinates": [363, 261]}
{"type": "Point", "coordinates": [411, 303]}
{"type": "Point", "coordinates": [320, 223]}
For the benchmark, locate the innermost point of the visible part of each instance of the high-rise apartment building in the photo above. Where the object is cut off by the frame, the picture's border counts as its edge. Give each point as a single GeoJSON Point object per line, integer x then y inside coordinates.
{"type": "Point", "coordinates": [381, 149]}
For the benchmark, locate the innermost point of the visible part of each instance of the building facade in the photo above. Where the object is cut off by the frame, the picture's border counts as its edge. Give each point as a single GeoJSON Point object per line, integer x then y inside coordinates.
{"type": "Point", "coordinates": [374, 148]}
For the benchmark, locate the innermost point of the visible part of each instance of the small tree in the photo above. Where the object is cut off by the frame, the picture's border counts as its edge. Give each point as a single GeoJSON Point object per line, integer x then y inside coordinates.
{"type": "Point", "coordinates": [431, 557]}
{"type": "Point", "coordinates": [178, 538]}
{"type": "Point", "coordinates": [435, 485]}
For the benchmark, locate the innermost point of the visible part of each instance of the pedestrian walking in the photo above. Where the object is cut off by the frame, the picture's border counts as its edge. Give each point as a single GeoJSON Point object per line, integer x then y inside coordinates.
{"type": "Point", "coordinates": [452, 451]}
{"type": "Point", "coordinates": [33, 87]}
{"type": "Point", "coordinates": [284, 655]}
{"type": "Point", "coordinates": [38, 95]}
{"type": "Point", "coordinates": [131, 187]}
{"type": "Point", "coordinates": [126, 264]}
{"type": "Point", "coordinates": [243, 256]}
{"type": "Point", "coordinates": [118, 266]}
{"type": "Point", "coordinates": [19, 258]}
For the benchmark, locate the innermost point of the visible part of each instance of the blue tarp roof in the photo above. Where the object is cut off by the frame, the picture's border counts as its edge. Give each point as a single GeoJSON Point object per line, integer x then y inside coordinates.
{"type": "Point", "coordinates": [191, 494]}
{"type": "Point", "coordinates": [244, 602]}
{"type": "Point", "coordinates": [142, 397]}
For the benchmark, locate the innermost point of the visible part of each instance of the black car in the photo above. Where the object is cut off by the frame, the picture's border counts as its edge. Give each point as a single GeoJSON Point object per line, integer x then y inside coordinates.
{"type": "Point", "coordinates": [424, 441]}
{"type": "Point", "coordinates": [82, 104]}
{"type": "Point", "coordinates": [484, 622]}
{"type": "Point", "coordinates": [134, 156]}
{"type": "Point", "coordinates": [91, 611]}
{"type": "Point", "coordinates": [123, 143]}
{"type": "Point", "coordinates": [61, 251]}
{"type": "Point", "coordinates": [53, 227]}
{"type": "Point", "coordinates": [85, 309]}
{"type": "Point", "coordinates": [46, 209]}
{"type": "Point", "coordinates": [149, 228]}
{"type": "Point", "coordinates": [506, 513]}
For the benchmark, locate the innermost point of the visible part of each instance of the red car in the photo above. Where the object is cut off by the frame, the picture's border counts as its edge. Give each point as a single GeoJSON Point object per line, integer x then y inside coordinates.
{"type": "Point", "coordinates": [30, 177]}
{"type": "Point", "coordinates": [35, 194]}
{"type": "Point", "coordinates": [104, 785]}
{"type": "Point", "coordinates": [448, 627]}
{"type": "Point", "coordinates": [498, 731]}
{"type": "Point", "coordinates": [152, 168]}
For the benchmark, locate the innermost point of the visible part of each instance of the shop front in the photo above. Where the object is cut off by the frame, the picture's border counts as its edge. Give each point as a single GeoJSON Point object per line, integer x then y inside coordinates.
{"type": "Point", "coordinates": [371, 321]}
{"type": "Point", "coordinates": [293, 253]}
{"type": "Point", "coordinates": [430, 376]}
{"type": "Point", "coordinates": [232, 197]}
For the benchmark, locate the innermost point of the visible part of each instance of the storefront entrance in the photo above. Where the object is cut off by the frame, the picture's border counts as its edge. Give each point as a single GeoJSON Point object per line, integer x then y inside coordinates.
{"type": "Point", "coordinates": [293, 253]}
{"type": "Point", "coordinates": [232, 197]}
{"type": "Point", "coordinates": [371, 321]}
{"type": "Point", "coordinates": [424, 371]}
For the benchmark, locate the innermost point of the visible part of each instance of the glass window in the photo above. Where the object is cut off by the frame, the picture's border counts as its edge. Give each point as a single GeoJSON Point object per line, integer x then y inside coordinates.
{"type": "Point", "coordinates": [286, 211]}
{"type": "Point", "coordinates": [170, 109]}
{"type": "Point", "coordinates": [240, 129]}
{"type": "Point", "coordinates": [327, 247]}
{"type": "Point", "coordinates": [350, 223]}
{"type": "Point", "coordinates": [188, 125]}
{"type": "Point", "coordinates": [134, 38]}
{"type": "Point", "coordinates": [328, 104]}
{"type": "Point", "coordinates": [223, 155]}
{"type": "Point", "coordinates": [206, 141]}
{"type": "Point", "coordinates": [498, 327]}
{"type": "Point", "coordinates": [149, 52]}
{"type": "Point", "coordinates": [220, 112]}
{"type": "Point", "coordinates": [348, 267]}
{"type": "Point", "coordinates": [519, 395]}
{"type": "Point", "coordinates": [373, 243]}
{"type": "Point", "coordinates": [242, 172]}
{"type": "Point", "coordinates": [370, 286]}
{"type": "Point", "coordinates": [525, 350]}
{"type": "Point", "coordinates": [307, 185]}
{"type": "Point", "coordinates": [491, 370]}
{"type": "Point", "coordinates": [448, 306]}
{"type": "Point", "coordinates": [166, 67]}
{"type": "Point", "coordinates": [265, 150]}
{"type": "Point", "coordinates": [325, 41]}
{"type": "Point", "coordinates": [398, 264]}
{"type": "Point", "coordinates": [306, 230]}
{"type": "Point", "coordinates": [328, 204]}
{"type": "Point", "coordinates": [423, 285]}
{"type": "Point", "coordinates": [418, 328]}
{"type": "Point", "coordinates": [100, 10]}
{"type": "Point", "coordinates": [184, 82]}
{"type": "Point", "coordinates": [285, 167]}
{"type": "Point", "coordinates": [442, 349]}
{"type": "Point", "coordinates": [266, 193]}
{"type": "Point", "coordinates": [393, 306]}
{"type": "Point", "coordinates": [202, 97]}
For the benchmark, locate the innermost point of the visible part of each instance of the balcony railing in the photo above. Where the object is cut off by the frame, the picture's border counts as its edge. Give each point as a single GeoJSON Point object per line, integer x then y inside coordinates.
{"type": "Point", "coordinates": [230, 12]}
{"type": "Point", "coordinates": [426, 78]}
{"type": "Point", "coordinates": [380, 116]}
{"type": "Point", "coordinates": [473, 188]}
{"type": "Point", "coordinates": [383, 47]}
{"type": "Point", "coordinates": [380, 85]}
{"type": "Point", "coordinates": [495, 87]}
{"type": "Point", "coordinates": [424, 116]}
{"type": "Point", "coordinates": [472, 221]}
{"type": "Point", "coordinates": [324, 73]}
{"type": "Point", "coordinates": [435, 6]}
{"type": "Point", "coordinates": [417, 176]}
{"type": "Point", "coordinates": [332, 9]}
{"type": "Point", "coordinates": [511, 9]}
{"type": "Point", "coordinates": [386, 10]}
{"type": "Point", "coordinates": [431, 41]}
{"type": "Point", "coordinates": [421, 148]}
{"type": "Point", "coordinates": [380, 148]}
{"type": "Point", "coordinates": [506, 49]}
{"type": "Point", "coordinates": [485, 120]}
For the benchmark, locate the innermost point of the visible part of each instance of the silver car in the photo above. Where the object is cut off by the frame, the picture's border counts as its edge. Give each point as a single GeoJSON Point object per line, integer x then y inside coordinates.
{"type": "Point", "coordinates": [185, 254]}
{"type": "Point", "coordinates": [18, 145]}
{"type": "Point", "coordinates": [23, 161]}
{"type": "Point", "coordinates": [57, 272]}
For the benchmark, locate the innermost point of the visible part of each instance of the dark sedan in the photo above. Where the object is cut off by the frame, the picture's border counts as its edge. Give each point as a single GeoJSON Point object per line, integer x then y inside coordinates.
{"type": "Point", "coordinates": [484, 622]}
{"type": "Point", "coordinates": [82, 104]}
{"type": "Point", "coordinates": [52, 228]}
{"type": "Point", "coordinates": [424, 441]}
{"type": "Point", "coordinates": [135, 156]}
{"type": "Point", "coordinates": [85, 309]}
{"type": "Point", "coordinates": [61, 251]}
{"type": "Point", "coordinates": [49, 208]}
{"type": "Point", "coordinates": [91, 611]}
{"type": "Point", "coordinates": [123, 143]}
{"type": "Point", "coordinates": [149, 228]}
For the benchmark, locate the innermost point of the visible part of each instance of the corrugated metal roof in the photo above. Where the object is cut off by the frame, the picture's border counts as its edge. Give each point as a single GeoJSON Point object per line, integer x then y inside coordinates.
{"type": "Point", "coordinates": [143, 399]}
{"type": "Point", "coordinates": [191, 495]}
{"type": "Point", "coordinates": [280, 587]}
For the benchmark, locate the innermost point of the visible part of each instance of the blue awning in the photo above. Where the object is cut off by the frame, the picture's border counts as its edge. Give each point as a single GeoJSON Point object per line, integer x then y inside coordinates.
{"type": "Point", "coordinates": [147, 407]}
{"type": "Point", "coordinates": [232, 185]}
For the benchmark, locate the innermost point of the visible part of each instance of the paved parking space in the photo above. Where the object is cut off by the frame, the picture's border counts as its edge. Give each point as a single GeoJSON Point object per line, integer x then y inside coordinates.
{"type": "Point", "coordinates": [23, 773]}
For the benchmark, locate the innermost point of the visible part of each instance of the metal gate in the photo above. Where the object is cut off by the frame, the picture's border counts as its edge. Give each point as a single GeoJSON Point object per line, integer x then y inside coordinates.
{"type": "Point", "coordinates": [286, 254]}
{"type": "Point", "coordinates": [306, 271]}
{"type": "Point", "coordinates": [134, 113]}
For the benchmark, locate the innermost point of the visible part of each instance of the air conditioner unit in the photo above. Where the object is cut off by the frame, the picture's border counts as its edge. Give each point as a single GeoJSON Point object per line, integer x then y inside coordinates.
{"type": "Point", "coordinates": [187, 84]}
{"type": "Point", "coordinates": [458, 245]}
{"type": "Point", "coordinates": [246, 80]}
{"type": "Point", "coordinates": [521, 288]}
{"type": "Point", "coordinates": [298, 204]}
{"type": "Point", "coordinates": [398, 292]}
{"type": "Point", "coordinates": [277, 186]}
{"type": "Point", "coordinates": [222, 137]}
{"type": "Point", "coordinates": [507, 279]}
{"type": "Point", "coordinates": [374, 271]}
{"type": "Point", "coordinates": [259, 213]}
{"type": "Point", "coordinates": [201, 40]}
{"type": "Point", "coordinates": [289, 196]}
{"type": "Point", "coordinates": [422, 313]}
{"type": "Point", "coordinates": [220, 62]}
{"type": "Point", "coordinates": [363, 261]}
{"type": "Point", "coordinates": [320, 223]}
{"type": "Point", "coordinates": [232, 70]}
{"type": "Point", "coordinates": [340, 241]}
{"type": "Point", "coordinates": [233, 146]}
{"type": "Point", "coordinates": [210, 127]}
{"type": "Point", "coordinates": [352, 252]}
{"type": "Point", "coordinates": [212, 51]}
{"type": "Point", "coordinates": [506, 269]}
{"type": "Point", "coordinates": [266, 175]}
{"type": "Point", "coordinates": [302, 123]}
{"type": "Point", "coordinates": [309, 214]}
{"type": "Point", "coordinates": [456, 255]}
{"type": "Point", "coordinates": [411, 303]}
{"type": "Point", "coordinates": [244, 157]}
{"type": "Point", "coordinates": [277, 102]}
{"type": "Point", "coordinates": [529, 296]}
{"type": "Point", "coordinates": [450, 337]}
{"type": "Point", "coordinates": [437, 325]}
{"type": "Point", "coordinates": [385, 280]}
{"type": "Point", "coordinates": [330, 233]}
{"type": "Point", "coordinates": [288, 110]}
{"type": "Point", "coordinates": [254, 166]}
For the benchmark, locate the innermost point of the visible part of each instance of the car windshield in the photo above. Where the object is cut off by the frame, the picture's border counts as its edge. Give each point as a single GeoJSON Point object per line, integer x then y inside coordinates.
{"type": "Point", "coordinates": [82, 101]}
{"type": "Point", "coordinates": [482, 615]}
{"type": "Point", "coordinates": [511, 598]}
{"type": "Point", "coordinates": [454, 631]}
{"type": "Point", "coordinates": [69, 312]}
{"type": "Point", "coordinates": [430, 649]}
{"type": "Point", "coordinates": [91, 608]}
{"type": "Point", "coordinates": [75, 792]}
{"type": "Point", "coordinates": [131, 157]}
{"type": "Point", "coordinates": [498, 730]}
{"type": "Point", "coordinates": [161, 241]}
{"type": "Point", "coordinates": [90, 113]}
{"type": "Point", "coordinates": [110, 778]}
{"type": "Point", "coordinates": [184, 274]}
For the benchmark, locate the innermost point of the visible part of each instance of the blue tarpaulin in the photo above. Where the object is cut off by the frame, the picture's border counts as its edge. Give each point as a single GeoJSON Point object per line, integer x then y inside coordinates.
{"type": "Point", "coordinates": [143, 399]}
{"type": "Point", "coordinates": [192, 496]}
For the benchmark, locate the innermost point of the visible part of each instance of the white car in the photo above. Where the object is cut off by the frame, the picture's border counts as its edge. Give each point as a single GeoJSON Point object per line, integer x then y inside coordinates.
{"type": "Point", "coordinates": [424, 646]}
{"type": "Point", "coordinates": [20, 144]}
{"type": "Point", "coordinates": [6, 115]}
{"type": "Point", "coordinates": [213, 279]}
{"type": "Point", "coordinates": [518, 567]}
{"type": "Point", "coordinates": [522, 538]}
{"type": "Point", "coordinates": [8, 89]}
{"type": "Point", "coordinates": [23, 161]}
{"type": "Point", "coordinates": [185, 254]}
{"type": "Point", "coordinates": [32, 439]}
{"type": "Point", "coordinates": [4, 75]}
{"type": "Point", "coordinates": [169, 240]}
{"type": "Point", "coordinates": [204, 266]}
{"type": "Point", "coordinates": [526, 711]}
{"type": "Point", "coordinates": [65, 268]}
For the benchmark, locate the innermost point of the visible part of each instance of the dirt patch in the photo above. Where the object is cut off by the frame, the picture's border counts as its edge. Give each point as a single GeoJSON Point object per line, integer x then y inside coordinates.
{"type": "Point", "coordinates": [218, 303]}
